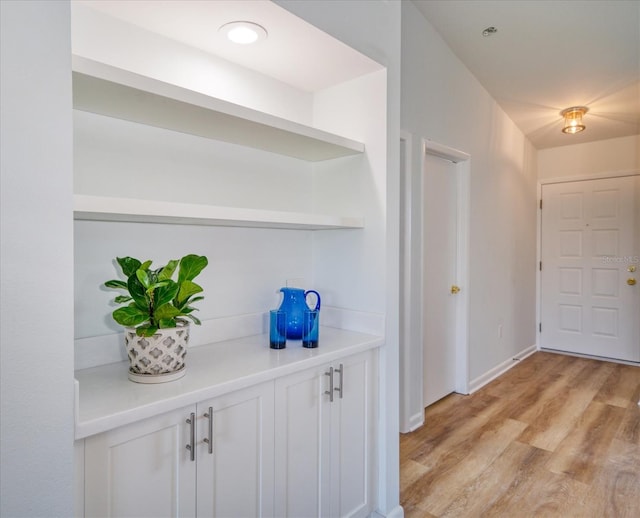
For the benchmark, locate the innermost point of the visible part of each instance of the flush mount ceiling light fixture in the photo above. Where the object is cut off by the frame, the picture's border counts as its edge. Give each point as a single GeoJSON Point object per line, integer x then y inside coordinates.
{"type": "Point", "coordinates": [243, 32]}
{"type": "Point", "coordinates": [573, 119]}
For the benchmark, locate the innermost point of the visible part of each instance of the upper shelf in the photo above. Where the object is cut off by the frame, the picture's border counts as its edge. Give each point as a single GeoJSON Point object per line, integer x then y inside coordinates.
{"type": "Point", "coordinates": [111, 91]}
{"type": "Point", "coordinates": [100, 208]}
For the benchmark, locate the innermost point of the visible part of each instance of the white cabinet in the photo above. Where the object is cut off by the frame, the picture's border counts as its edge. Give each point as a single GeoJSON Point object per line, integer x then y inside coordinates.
{"type": "Point", "coordinates": [324, 439]}
{"type": "Point", "coordinates": [142, 469]}
{"type": "Point", "coordinates": [163, 466]}
{"type": "Point", "coordinates": [235, 468]}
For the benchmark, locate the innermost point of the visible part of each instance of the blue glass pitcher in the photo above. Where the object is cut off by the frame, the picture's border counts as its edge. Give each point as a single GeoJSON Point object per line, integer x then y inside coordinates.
{"type": "Point", "coordinates": [294, 302]}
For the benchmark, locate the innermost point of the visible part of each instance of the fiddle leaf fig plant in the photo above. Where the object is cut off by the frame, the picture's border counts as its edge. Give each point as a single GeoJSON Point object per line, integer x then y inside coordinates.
{"type": "Point", "coordinates": [153, 299]}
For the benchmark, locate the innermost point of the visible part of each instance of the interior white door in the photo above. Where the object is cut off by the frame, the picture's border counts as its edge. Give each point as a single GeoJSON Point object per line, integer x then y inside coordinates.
{"type": "Point", "coordinates": [590, 251]}
{"type": "Point", "coordinates": [439, 275]}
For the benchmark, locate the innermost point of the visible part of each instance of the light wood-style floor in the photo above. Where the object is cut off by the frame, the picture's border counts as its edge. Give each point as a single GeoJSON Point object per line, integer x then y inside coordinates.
{"type": "Point", "coordinates": [556, 436]}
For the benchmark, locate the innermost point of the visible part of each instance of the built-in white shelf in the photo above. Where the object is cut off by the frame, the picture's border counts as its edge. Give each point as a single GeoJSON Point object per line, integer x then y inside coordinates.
{"type": "Point", "coordinates": [102, 208]}
{"type": "Point", "coordinates": [114, 92]}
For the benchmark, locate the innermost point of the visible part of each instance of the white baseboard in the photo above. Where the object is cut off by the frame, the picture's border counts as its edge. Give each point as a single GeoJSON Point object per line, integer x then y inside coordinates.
{"type": "Point", "coordinates": [500, 369]}
{"type": "Point", "coordinates": [396, 512]}
{"type": "Point", "coordinates": [416, 421]}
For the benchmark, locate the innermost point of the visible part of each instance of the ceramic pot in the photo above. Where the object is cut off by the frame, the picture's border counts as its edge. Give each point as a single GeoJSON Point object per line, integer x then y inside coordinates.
{"type": "Point", "coordinates": [158, 358]}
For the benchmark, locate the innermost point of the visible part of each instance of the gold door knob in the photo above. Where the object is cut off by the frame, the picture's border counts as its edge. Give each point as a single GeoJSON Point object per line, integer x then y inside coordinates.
{"type": "Point", "coordinates": [631, 268]}
{"type": "Point", "coordinates": [455, 289]}
{"type": "Point", "coordinates": [631, 281]}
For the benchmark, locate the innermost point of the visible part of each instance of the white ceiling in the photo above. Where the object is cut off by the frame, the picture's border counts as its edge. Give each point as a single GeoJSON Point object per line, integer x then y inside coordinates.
{"type": "Point", "coordinates": [550, 55]}
{"type": "Point", "coordinates": [546, 56]}
{"type": "Point", "coordinates": [294, 51]}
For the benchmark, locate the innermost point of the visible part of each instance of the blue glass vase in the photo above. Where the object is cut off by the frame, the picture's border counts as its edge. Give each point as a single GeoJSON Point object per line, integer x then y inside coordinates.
{"type": "Point", "coordinates": [294, 303]}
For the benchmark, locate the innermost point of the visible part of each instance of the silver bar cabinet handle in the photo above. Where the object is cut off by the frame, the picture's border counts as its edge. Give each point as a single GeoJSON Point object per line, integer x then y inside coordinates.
{"type": "Point", "coordinates": [341, 371]}
{"type": "Point", "coordinates": [330, 391]}
{"type": "Point", "coordinates": [192, 436]}
{"type": "Point", "coordinates": [209, 440]}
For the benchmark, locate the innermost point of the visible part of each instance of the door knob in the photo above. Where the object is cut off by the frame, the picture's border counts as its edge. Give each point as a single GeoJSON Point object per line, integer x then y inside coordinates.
{"type": "Point", "coordinates": [632, 268]}
{"type": "Point", "coordinates": [455, 289]}
{"type": "Point", "coordinates": [631, 281]}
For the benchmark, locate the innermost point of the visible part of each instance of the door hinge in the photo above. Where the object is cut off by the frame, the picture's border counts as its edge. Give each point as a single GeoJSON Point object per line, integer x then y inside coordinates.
{"type": "Point", "coordinates": [540, 203]}
{"type": "Point", "coordinates": [540, 327]}
{"type": "Point", "coordinates": [540, 265]}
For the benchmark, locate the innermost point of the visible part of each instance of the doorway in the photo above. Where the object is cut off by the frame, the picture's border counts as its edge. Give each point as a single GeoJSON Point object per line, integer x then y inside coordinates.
{"type": "Point", "coordinates": [434, 249]}
{"type": "Point", "coordinates": [590, 251]}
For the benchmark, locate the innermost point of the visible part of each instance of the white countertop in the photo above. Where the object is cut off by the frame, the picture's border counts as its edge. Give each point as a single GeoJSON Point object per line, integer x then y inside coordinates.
{"type": "Point", "coordinates": [107, 399]}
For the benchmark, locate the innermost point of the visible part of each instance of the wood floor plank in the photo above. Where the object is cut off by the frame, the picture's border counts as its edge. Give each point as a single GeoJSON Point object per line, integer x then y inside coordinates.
{"type": "Point", "coordinates": [616, 489]}
{"type": "Point", "coordinates": [462, 467]}
{"type": "Point", "coordinates": [629, 430]}
{"type": "Point", "coordinates": [509, 471]}
{"type": "Point", "coordinates": [543, 494]}
{"type": "Point", "coordinates": [556, 436]}
{"type": "Point", "coordinates": [620, 388]}
{"type": "Point", "coordinates": [584, 450]}
{"type": "Point", "coordinates": [551, 422]}
{"type": "Point", "coordinates": [410, 471]}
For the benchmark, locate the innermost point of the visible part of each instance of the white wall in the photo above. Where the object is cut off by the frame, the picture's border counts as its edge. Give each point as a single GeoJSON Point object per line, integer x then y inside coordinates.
{"type": "Point", "coordinates": [36, 349]}
{"type": "Point", "coordinates": [442, 101]}
{"type": "Point", "coordinates": [618, 155]}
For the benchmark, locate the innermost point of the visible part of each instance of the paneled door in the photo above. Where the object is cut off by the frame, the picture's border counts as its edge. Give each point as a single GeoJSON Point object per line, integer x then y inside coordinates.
{"type": "Point", "coordinates": [590, 251]}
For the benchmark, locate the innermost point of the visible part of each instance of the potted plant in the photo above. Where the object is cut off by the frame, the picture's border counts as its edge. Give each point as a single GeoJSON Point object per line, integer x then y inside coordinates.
{"type": "Point", "coordinates": [157, 314]}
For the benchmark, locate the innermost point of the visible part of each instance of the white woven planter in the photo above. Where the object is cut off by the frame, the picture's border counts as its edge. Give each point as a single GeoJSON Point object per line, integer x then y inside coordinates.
{"type": "Point", "coordinates": [158, 358]}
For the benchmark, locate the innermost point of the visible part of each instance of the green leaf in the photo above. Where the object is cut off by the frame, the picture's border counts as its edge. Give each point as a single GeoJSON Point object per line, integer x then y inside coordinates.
{"type": "Point", "coordinates": [130, 316]}
{"type": "Point", "coordinates": [166, 293]}
{"type": "Point", "coordinates": [169, 322]}
{"type": "Point", "coordinates": [166, 311]}
{"type": "Point", "coordinates": [121, 299]}
{"type": "Point", "coordinates": [145, 265]}
{"type": "Point", "coordinates": [167, 272]}
{"type": "Point", "coordinates": [137, 291]}
{"type": "Point", "coordinates": [195, 319]}
{"type": "Point", "coordinates": [188, 288]}
{"type": "Point", "coordinates": [147, 330]}
{"type": "Point", "coordinates": [143, 277]}
{"type": "Point", "coordinates": [191, 266]}
{"type": "Point", "coordinates": [116, 284]}
{"type": "Point", "coordinates": [129, 265]}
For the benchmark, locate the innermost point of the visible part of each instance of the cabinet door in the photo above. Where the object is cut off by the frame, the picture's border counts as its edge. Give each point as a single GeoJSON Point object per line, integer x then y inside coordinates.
{"type": "Point", "coordinates": [235, 476]}
{"type": "Point", "coordinates": [353, 467]}
{"type": "Point", "coordinates": [302, 445]}
{"type": "Point", "coordinates": [142, 469]}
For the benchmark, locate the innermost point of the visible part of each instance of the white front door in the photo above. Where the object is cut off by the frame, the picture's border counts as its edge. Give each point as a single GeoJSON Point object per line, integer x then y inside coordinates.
{"type": "Point", "coordinates": [590, 251]}
{"type": "Point", "coordinates": [439, 274]}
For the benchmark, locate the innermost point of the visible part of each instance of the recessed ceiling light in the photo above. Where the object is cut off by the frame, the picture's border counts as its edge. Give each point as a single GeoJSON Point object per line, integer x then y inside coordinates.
{"type": "Point", "coordinates": [243, 33]}
{"type": "Point", "coordinates": [489, 31]}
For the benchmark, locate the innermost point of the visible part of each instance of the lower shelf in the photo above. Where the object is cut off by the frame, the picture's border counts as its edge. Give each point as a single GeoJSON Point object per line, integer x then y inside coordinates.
{"type": "Point", "coordinates": [100, 208]}
{"type": "Point", "coordinates": [106, 399]}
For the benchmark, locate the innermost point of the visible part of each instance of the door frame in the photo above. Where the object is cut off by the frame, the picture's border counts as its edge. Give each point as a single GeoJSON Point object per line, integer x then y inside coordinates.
{"type": "Point", "coordinates": [411, 296]}
{"type": "Point", "coordinates": [566, 179]}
